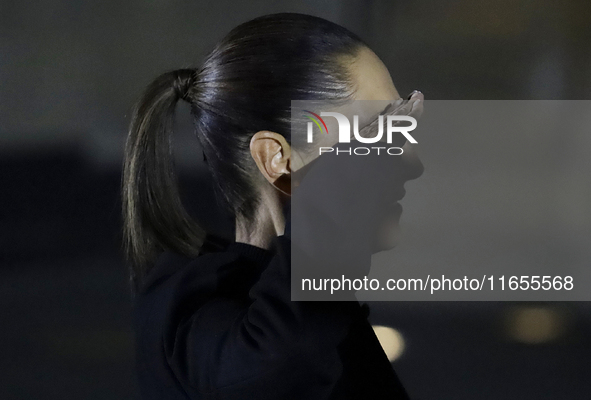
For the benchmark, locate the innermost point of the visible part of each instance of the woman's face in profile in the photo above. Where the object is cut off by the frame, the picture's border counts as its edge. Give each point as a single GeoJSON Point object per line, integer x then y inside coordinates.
{"type": "Point", "coordinates": [375, 86]}
{"type": "Point", "coordinates": [375, 83]}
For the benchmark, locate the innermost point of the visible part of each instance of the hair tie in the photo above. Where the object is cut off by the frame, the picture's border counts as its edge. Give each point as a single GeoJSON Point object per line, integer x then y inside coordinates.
{"type": "Point", "coordinates": [184, 80]}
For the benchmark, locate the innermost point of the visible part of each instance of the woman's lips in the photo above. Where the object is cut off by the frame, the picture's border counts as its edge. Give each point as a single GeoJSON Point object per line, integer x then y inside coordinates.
{"type": "Point", "coordinates": [391, 199]}
{"type": "Point", "coordinates": [399, 195]}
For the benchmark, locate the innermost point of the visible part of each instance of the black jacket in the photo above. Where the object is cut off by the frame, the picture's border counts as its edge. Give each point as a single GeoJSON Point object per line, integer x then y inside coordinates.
{"type": "Point", "coordinates": [222, 326]}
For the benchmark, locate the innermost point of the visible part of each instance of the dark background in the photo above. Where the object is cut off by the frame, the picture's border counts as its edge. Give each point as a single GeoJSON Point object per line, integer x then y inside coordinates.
{"type": "Point", "coordinates": [69, 74]}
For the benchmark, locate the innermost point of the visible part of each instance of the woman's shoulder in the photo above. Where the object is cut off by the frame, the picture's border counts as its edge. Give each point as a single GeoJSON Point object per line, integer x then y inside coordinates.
{"type": "Point", "coordinates": [221, 270]}
{"type": "Point", "coordinates": [171, 266]}
{"type": "Point", "coordinates": [204, 291]}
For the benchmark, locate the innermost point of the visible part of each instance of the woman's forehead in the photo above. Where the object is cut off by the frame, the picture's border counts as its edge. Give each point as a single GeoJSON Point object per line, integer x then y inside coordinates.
{"type": "Point", "coordinates": [372, 79]}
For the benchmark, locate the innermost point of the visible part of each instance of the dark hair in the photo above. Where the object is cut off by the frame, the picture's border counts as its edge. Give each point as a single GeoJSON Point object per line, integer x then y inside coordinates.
{"type": "Point", "coordinates": [245, 85]}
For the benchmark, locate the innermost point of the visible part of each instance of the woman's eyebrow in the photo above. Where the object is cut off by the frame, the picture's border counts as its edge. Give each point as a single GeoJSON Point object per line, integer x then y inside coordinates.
{"type": "Point", "coordinates": [389, 109]}
{"type": "Point", "coordinates": [385, 110]}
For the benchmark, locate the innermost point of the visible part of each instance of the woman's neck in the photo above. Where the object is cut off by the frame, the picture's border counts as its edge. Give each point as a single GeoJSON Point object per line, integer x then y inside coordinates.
{"type": "Point", "coordinates": [268, 223]}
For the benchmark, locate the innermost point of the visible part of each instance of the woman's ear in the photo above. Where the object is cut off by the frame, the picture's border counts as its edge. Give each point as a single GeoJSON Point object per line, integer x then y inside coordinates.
{"type": "Point", "coordinates": [272, 154]}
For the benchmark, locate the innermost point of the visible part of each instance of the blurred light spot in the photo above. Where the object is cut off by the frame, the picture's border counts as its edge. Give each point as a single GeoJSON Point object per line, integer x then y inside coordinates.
{"type": "Point", "coordinates": [391, 340]}
{"type": "Point", "coordinates": [535, 324]}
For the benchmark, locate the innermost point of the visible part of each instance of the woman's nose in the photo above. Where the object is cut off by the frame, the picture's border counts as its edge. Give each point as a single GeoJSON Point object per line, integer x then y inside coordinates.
{"type": "Point", "coordinates": [413, 166]}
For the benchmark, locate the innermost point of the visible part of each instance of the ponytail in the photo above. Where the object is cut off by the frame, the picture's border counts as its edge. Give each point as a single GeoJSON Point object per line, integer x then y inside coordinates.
{"type": "Point", "coordinates": [154, 218]}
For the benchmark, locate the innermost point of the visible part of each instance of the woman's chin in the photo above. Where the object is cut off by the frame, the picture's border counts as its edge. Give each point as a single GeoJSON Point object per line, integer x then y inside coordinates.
{"type": "Point", "coordinates": [388, 233]}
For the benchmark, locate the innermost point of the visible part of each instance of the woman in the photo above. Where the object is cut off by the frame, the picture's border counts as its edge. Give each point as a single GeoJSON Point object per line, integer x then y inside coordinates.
{"type": "Point", "coordinates": [217, 322]}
